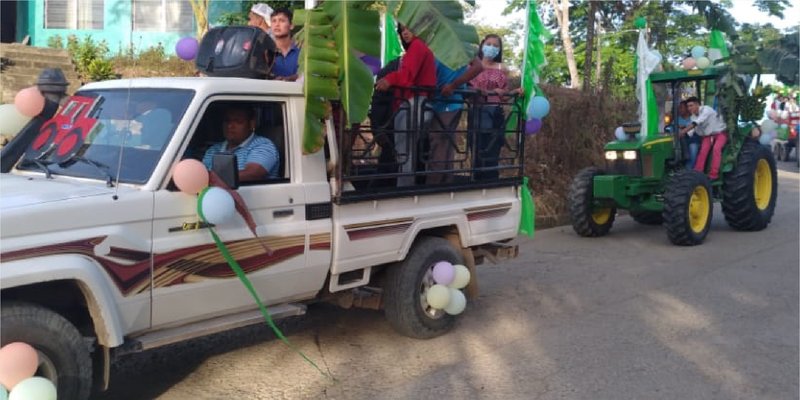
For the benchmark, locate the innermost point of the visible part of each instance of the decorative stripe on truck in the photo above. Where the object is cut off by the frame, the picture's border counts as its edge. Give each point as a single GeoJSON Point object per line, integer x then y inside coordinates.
{"type": "Point", "coordinates": [487, 212]}
{"type": "Point", "coordinates": [366, 230]}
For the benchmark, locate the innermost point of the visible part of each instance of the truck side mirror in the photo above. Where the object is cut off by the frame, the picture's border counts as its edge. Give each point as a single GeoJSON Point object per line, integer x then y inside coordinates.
{"type": "Point", "coordinates": [226, 167]}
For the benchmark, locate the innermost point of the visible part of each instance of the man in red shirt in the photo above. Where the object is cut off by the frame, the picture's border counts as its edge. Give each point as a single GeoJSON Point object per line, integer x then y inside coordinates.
{"type": "Point", "coordinates": [417, 68]}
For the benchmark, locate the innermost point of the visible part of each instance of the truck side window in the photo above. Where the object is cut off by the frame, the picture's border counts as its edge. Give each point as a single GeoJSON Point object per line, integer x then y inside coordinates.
{"type": "Point", "coordinates": [267, 148]}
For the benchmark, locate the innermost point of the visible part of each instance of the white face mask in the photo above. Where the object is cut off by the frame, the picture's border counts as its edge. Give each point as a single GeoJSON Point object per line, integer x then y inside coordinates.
{"type": "Point", "coordinates": [490, 51]}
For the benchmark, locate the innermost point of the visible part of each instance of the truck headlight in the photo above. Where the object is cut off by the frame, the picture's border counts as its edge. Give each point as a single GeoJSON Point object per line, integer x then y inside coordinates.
{"type": "Point", "coordinates": [611, 155]}
{"type": "Point", "coordinates": [629, 155]}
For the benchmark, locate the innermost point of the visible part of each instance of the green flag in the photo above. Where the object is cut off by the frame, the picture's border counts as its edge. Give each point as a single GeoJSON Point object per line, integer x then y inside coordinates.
{"type": "Point", "coordinates": [391, 41]}
{"type": "Point", "coordinates": [534, 59]}
{"type": "Point", "coordinates": [527, 221]}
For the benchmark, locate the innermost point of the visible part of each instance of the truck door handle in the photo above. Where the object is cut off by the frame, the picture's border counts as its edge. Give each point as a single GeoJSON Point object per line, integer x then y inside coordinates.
{"type": "Point", "coordinates": [282, 213]}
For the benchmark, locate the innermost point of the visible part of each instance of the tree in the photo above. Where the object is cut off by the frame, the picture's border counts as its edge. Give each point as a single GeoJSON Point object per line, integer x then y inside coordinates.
{"type": "Point", "coordinates": [561, 11]}
{"type": "Point", "coordinates": [200, 10]}
{"type": "Point", "coordinates": [587, 62]}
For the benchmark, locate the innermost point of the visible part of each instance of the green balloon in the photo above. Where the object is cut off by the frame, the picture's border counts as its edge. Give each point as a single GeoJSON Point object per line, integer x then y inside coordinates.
{"type": "Point", "coordinates": [640, 23]}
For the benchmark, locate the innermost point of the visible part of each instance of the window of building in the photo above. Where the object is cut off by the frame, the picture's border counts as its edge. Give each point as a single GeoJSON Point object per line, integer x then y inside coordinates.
{"type": "Point", "coordinates": [73, 14]}
{"type": "Point", "coordinates": [162, 15]}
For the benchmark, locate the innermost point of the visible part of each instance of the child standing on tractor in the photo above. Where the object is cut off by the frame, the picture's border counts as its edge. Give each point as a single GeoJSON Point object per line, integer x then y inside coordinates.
{"type": "Point", "coordinates": [709, 125]}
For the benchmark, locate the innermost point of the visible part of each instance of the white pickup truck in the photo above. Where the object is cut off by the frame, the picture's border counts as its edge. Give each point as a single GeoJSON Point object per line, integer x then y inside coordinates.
{"type": "Point", "coordinates": [102, 255]}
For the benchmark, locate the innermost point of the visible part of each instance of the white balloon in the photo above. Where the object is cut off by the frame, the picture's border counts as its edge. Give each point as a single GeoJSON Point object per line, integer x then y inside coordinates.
{"type": "Point", "coordinates": [765, 139]}
{"type": "Point", "coordinates": [703, 62]}
{"type": "Point", "coordinates": [36, 387]}
{"type": "Point", "coordinates": [619, 133]}
{"type": "Point", "coordinates": [462, 277]}
{"type": "Point", "coordinates": [768, 126]}
{"type": "Point", "coordinates": [217, 205]}
{"type": "Point", "coordinates": [11, 120]}
{"type": "Point", "coordinates": [714, 54]}
{"type": "Point", "coordinates": [458, 302]}
{"type": "Point", "coordinates": [438, 296]}
{"type": "Point", "coordinates": [784, 114]}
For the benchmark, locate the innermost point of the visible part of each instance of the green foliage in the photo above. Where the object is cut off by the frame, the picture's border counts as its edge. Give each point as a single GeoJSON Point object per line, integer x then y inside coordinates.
{"type": "Point", "coordinates": [85, 52]}
{"type": "Point", "coordinates": [100, 70]}
{"type": "Point", "coordinates": [55, 42]}
{"type": "Point", "coordinates": [355, 31]}
{"type": "Point", "coordinates": [441, 25]}
{"type": "Point", "coordinates": [319, 66]}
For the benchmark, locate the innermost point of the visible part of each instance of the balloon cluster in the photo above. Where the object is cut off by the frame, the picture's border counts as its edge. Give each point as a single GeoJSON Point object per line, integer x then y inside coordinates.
{"type": "Point", "coordinates": [186, 48]}
{"type": "Point", "coordinates": [28, 103]}
{"type": "Point", "coordinates": [538, 108]}
{"type": "Point", "coordinates": [699, 59]}
{"type": "Point", "coordinates": [18, 363]}
{"type": "Point", "coordinates": [772, 130]}
{"type": "Point", "coordinates": [446, 293]}
{"type": "Point", "coordinates": [214, 205]}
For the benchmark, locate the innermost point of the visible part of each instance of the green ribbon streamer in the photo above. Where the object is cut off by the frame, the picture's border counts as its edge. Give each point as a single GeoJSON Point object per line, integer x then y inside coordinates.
{"type": "Point", "coordinates": [237, 269]}
{"type": "Point", "coordinates": [246, 282]}
{"type": "Point", "coordinates": [527, 221]}
{"type": "Point", "coordinates": [652, 111]}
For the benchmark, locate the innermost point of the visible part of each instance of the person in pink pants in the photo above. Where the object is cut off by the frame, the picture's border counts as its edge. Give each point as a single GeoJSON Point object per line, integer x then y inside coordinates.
{"type": "Point", "coordinates": [711, 127]}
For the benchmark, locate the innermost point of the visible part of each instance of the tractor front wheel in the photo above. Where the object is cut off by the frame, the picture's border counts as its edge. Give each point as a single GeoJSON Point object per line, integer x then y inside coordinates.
{"type": "Point", "coordinates": [687, 208]}
{"type": "Point", "coordinates": [750, 190]}
{"type": "Point", "coordinates": [588, 219]}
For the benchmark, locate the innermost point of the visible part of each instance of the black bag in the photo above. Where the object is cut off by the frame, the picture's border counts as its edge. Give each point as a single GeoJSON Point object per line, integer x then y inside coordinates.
{"type": "Point", "coordinates": [236, 51]}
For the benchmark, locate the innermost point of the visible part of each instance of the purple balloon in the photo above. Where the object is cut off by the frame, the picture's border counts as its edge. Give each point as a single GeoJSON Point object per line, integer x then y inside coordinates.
{"type": "Point", "coordinates": [444, 273]}
{"type": "Point", "coordinates": [374, 64]}
{"type": "Point", "coordinates": [186, 48]}
{"type": "Point", "coordinates": [533, 125]}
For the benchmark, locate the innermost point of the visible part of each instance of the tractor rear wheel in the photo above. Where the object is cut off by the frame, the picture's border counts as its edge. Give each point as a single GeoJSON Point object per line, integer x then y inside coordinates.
{"type": "Point", "coordinates": [750, 190]}
{"type": "Point", "coordinates": [687, 208]}
{"type": "Point", "coordinates": [647, 217]}
{"type": "Point", "coordinates": [587, 219]}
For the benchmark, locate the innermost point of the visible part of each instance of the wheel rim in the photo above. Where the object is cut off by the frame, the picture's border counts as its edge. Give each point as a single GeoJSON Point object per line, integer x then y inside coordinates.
{"type": "Point", "coordinates": [427, 282]}
{"type": "Point", "coordinates": [698, 209]}
{"type": "Point", "coordinates": [47, 368]}
{"type": "Point", "coordinates": [601, 216]}
{"type": "Point", "coordinates": [762, 184]}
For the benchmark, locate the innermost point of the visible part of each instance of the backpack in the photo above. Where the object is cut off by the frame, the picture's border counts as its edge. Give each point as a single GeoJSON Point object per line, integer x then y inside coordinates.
{"type": "Point", "coordinates": [236, 51]}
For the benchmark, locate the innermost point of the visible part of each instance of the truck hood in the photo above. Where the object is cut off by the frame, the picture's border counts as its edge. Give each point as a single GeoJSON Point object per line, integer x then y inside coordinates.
{"type": "Point", "coordinates": [22, 191]}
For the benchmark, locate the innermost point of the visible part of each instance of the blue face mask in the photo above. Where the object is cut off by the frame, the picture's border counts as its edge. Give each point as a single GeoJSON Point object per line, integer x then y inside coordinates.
{"type": "Point", "coordinates": [490, 51]}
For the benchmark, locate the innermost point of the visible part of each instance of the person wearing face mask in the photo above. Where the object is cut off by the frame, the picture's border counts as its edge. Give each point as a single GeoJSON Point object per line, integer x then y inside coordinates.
{"type": "Point", "coordinates": [492, 83]}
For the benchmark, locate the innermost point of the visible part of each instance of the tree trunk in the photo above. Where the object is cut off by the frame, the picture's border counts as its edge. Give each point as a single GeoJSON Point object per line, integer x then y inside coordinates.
{"type": "Point", "coordinates": [587, 64]}
{"type": "Point", "coordinates": [562, 16]}
{"type": "Point", "coordinates": [200, 10]}
{"type": "Point", "coordinates": [598, 64]}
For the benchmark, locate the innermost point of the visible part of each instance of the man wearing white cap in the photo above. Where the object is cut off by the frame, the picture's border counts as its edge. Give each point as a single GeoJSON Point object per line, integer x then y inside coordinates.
{"type": "Point", "coordinates": [260, 14]}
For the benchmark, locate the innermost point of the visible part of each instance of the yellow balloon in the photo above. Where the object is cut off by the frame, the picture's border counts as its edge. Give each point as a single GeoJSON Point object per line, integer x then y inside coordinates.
{"type": "Point", "coordinates": [462, 277]}
{"type": "Point", "coordinates": [11, 121]}
{"type": "Point", "coordinates": [438, 296]}
{"type": "Point", "coordinates": [703, 62]}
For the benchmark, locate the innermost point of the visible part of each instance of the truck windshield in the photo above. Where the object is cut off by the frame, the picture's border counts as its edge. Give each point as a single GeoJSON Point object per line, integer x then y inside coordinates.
{"type": "Point", "coordinates": [108, 133]}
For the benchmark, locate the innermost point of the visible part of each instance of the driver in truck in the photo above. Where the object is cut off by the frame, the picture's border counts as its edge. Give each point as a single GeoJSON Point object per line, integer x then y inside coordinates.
{"type": "Point", "coordinates": [257, 156]}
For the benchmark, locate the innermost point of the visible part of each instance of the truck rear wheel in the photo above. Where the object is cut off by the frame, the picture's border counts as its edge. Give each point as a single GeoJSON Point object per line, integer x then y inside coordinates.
{"type": "Point", "coordinates": [688, 208]}
{"type": "Point", "coordinates": [647, 217]}
{"type": "Point", "coordinates": [750, 190]}
{"type": "Point", "coordinates": [588, 220]}
{"type": "Point", "coordinates": [63, 354]}
{"type": "Point", "coordinates": [406, 286]}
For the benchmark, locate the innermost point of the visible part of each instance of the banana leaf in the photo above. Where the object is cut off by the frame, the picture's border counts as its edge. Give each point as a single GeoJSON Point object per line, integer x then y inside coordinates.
{"type": "Point", "coordinates": [355, 31]}
{"type": "Point", "coordinates": [440, 25]}
{"type": "Point", "coordinates": [319, 67]}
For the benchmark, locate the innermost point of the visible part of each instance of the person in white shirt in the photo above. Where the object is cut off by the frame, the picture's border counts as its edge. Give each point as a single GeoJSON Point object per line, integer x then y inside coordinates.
{"type": "Point", "coordinates": [259, 17]}
{"type": "Point", "coordinates": [710, 126]}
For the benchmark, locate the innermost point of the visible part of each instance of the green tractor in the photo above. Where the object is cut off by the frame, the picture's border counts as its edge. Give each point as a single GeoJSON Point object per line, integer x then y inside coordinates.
{"type": "Point", "coordinates": [647, 175]}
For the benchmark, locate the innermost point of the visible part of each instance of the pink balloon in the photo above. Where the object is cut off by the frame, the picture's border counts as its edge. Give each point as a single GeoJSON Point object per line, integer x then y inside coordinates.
{"type": "Point", "coordinates": [689, 63]}
{"type": "Point", "coordinates": [18, 361]}
{"type": "Point", "coordinates": [29, 102]}
{"type": "Point", "coordinates": [190, 176]}
{"type": "Point", "coordinates": [443, 273]}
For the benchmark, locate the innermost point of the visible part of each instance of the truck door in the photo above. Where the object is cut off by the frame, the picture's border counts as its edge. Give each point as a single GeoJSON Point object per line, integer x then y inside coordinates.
{"type": "Point", "coordinates": [192, 281]}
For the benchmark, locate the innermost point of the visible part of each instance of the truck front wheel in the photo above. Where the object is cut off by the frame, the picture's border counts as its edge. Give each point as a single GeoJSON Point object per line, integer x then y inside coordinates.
{"type": "Point", "coordinates": [63, 354]}
{"type": "Point", "coordinates": [406, 286]}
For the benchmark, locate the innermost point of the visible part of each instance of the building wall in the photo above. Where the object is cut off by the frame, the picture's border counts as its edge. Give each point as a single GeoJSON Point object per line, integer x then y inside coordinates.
{"type": "Point", "coordinates": [117, 26]}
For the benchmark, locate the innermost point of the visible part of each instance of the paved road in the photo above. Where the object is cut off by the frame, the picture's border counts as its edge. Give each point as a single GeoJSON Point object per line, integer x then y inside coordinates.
{"type": "Point", "coordinates": [626, 316]}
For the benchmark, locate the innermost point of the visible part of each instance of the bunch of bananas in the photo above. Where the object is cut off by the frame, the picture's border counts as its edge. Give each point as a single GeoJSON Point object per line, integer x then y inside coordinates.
{"type": "Point", "coordinates": [751, 107]}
